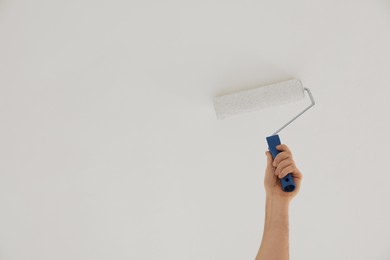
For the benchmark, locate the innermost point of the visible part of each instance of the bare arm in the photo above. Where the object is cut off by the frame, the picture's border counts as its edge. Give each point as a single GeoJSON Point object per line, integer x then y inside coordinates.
{"type": "Point", "coordinates": [275, 242]}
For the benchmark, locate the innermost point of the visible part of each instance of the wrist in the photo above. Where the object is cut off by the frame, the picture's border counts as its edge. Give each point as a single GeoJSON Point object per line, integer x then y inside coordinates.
{"type": "Point", "coordinates": [277, 208]}
{"type": "Point", "coordinates": [278, 203]}
{"type": "Point", "coordinates": [277, 199]}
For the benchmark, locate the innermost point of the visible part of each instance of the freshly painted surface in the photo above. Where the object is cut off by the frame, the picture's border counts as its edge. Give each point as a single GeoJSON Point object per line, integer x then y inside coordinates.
{"type": "Point", "coordinates": [110, 147]}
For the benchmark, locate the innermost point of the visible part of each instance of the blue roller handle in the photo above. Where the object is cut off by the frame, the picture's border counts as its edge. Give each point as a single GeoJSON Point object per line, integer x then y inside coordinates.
{"type": "Point", "coordinates": [288, 184]}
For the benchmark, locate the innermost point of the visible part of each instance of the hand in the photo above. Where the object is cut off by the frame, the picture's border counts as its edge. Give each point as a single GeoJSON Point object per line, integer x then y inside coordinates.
{"type": "Point", "coordinates": [276, 169]}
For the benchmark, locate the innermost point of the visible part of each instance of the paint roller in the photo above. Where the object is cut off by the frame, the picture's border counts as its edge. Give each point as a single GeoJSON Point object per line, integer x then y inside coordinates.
{"type": "Point", "coordinates": [265, 96]}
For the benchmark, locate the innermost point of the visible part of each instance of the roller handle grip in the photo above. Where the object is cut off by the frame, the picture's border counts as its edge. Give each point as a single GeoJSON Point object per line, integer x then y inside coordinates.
{"type": "Point", "coordinates": [288, 184]}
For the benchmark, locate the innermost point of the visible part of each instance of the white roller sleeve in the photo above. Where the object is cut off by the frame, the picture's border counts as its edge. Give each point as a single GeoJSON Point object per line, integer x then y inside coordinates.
{"type": "Point", "coordinates": [258, 98]}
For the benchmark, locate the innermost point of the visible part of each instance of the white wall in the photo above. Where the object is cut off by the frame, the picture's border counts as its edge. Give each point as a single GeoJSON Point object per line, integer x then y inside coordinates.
{"type": "Point", "coordinates": [109, 146]}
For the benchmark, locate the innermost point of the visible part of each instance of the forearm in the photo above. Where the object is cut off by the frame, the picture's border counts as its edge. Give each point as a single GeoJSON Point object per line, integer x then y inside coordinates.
{"type": "Point", "coordinates": [275, 242]}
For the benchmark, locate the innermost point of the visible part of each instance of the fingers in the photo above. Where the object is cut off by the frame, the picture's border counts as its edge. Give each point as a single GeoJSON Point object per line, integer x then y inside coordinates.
{"type": "Point", "coordinates": [284, 153]}
{"type": "Point", "coordinates": [287, 170]}
{"type": "Point", "coordinates": [284, 163]}
{"type": "Point", "coordinates": [283, 147]}
{"type": "Point", "coordinates": [280, 157]}
{"type": "Point", "coordinates": [285, 167]}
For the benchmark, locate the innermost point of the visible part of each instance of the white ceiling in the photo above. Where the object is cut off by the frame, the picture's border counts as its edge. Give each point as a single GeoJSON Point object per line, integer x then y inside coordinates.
{"type": "Point", "coordinates": [109, 146]}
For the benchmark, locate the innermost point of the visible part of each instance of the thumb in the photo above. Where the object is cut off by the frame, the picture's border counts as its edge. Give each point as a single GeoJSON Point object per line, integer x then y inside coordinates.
{"type": "Point", "coordinates": [270, 160]}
